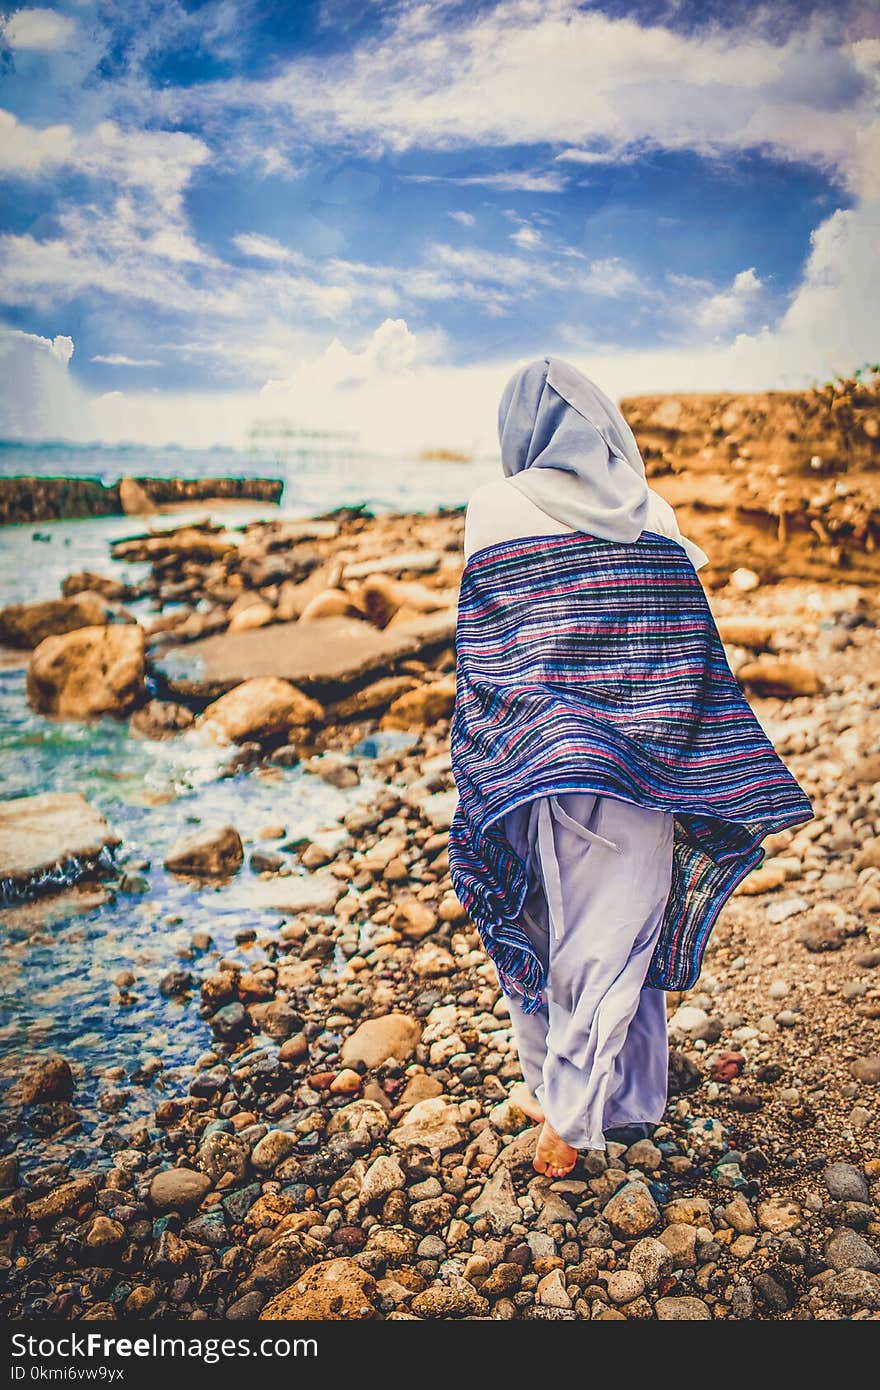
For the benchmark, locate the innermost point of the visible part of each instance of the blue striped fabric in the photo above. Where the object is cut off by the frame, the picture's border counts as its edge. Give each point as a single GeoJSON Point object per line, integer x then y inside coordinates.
{"type": "Point", "coordinates": [586, 665]}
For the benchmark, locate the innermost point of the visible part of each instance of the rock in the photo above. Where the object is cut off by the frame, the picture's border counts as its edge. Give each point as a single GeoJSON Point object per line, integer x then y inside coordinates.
{"type": "Point", "coordinates": [651, 1260]}
{"type": "Point", "coordinates": [497, 1203]}
{"type": "Point", "coordinates": [331, 603]}
{"type": "Point", "coordinates": [326, 658]}
{"type": "Point", "coordinates": [624, 1285]}
{"type": "Point", "coordinates": [783, 677]}
{"type": "Point", "coordinates": [643, 1154]}
{"type": "Point", "coordinates": [378, 1039]}
{"type": "Point", "coordinates": [444, 1301]}
{"type": "Point", "coordinates": [230, 1022]}
{"type": "Point", "coordinates": [260, 708]}
{"type": "Point", "coordinates": [272, 1149]}
{"type": "Point", "coordinates": [334, 1290]}
{"type": "Point", "coordinates": [45, 836]}
{"type": "Point", "coordinates": [688, 1020]}
{"type": "Point", "coordinates": [746, 632]}
{"type": "Point", "coordinates": [383, 1176]}
{"type": "Point", "coordinates": [254, 615]}
{"type": "Point", "coordinates": [214, 853]}
{"type": "Point", "coordinates": [103, 1236]}
{"type": "Point", "coordinates": [414, 919]}
{"type": "Point", "coordinates": [346, 1083]}
{"type": "Point", "coordinates": [683, 1309]}
{"type": "Point", "coordinates": [318, 892]}
{"type": "Point", "coordinates": [846, 1183]}
{"type": "Point", "coordinates": [87, 581]}
{"type": "Point", "coordinates": [93, 671]}
{"type": "Point", "coordinates": [744, 580]}
{"type": "Point", "coordinates": [431, 1124]}
{"type": "Point", "coordinates": [220, 1154]}
{"type": "Point", "coordinates": [632, 1211]}
{"type": "Point", "coordinates": [48, 1079]}
{"type": "Point", "coordinates": [161, 719]}
{"type": "Point", "coordinates": [28, 624]}
{"type": "Point", "coordinates": [783, 908]}
{"type": "Point", "coordinates": [422, 706]}
{"type": "Point", "coordinates": [680, 1239]}
{"type": "Point", "coordinates": [439, 809]}
{"type": "Point", "coordinates": [779, 1215]}
{"type": "Point", "coordinates": [364, 1118]}
{"type": "Point", "coordinates": [419, 1087]}
{"type": "Point", "coordinates": [764, 879]}
{"type": "Point", "coordinates": [551, 1291]}
{"type": "Point", "coordinates": [279, 1021]}
{"type": "Point", "coordinates": [178, 1189]}
{"type": "Point", "coordinates": [378, 695]}
{"type": "Point", "coordinates": [822, 936]}
{"type": "Point", "coordinates": [414, 561]}
{"type": "Point", "coordinates": [61, 1200]}
{"type": "Point", "coordinates": [846, 1249]}
{"type": "Point", "coordinates": [134, 499]}
{"type": "Point", "coordinates": [738, 1215]}
{"type": "Point", "coordinates": [867, 1069]}
{"type": "Point", "coordinates": [431, 962]}
{"type": "Point", "coordinates": [858, 1287]}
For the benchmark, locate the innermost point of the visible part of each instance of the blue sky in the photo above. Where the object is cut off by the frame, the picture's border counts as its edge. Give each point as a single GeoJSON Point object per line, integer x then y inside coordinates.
{"type": "Point", "coordinates": [215, 212]}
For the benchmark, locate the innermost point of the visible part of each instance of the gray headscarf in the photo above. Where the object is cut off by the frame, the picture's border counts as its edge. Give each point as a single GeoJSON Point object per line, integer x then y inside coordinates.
{"type": "Point", "coordinates": [566, 446]}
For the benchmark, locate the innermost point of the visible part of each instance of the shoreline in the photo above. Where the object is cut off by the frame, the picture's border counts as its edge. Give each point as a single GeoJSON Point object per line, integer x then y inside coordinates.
{"type": "Point", "coordinates": [347, 1125]}
{"type": "Point", "coordinates": [287, 1092]}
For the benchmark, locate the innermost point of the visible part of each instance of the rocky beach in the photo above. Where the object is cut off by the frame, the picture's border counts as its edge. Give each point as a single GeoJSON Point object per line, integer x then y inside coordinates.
{"type": "Point", "coordinates": [256, 1062]}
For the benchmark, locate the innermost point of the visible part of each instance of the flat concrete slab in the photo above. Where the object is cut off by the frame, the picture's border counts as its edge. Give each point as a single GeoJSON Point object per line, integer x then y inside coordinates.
{"type": "Point", "coordinates": [57, 835]}
{"type": "Point", "coordinates": [325, 658]}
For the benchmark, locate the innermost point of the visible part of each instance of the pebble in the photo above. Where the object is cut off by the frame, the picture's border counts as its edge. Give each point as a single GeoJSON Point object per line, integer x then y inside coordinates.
{"type": "Point", "coordinates": [846, 1183]}
{"type": "Point", "coordinates": [846, 1249]}
{"type": "Point", "coordinates": [632, 1211]}
{"type": "Point", "coordinates": [177, 1189]}
{"type": "Point", "coordinates": [682, 1309]}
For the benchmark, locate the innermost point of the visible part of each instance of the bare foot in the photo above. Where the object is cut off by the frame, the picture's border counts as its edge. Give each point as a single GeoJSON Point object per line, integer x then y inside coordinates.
{"type": "Point", "coordinates": [522, 1098]}
{"type": "Point", "coordinates": [553, 1157]}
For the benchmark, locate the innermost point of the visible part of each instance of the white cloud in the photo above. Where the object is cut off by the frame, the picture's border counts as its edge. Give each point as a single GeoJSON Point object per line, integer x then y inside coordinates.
{"type": "Point", "coordinates": [38, 30]}
{"type": "Point", "coordinates": [526, 237]}
{"type": "Point", "coordinates": [398, 390]}
{"type": "Point", "coordinates": [495, 267]}
{"type": "Point", "coordinates": [119, 359]}
{"type": "Point", "coordinates": [466, 219]}
{"type": "Point", "coordinates": [527, 72]}
{"type": "Point", "coordinates": [729, 308]}
{"type": "Point", "coordinates": [39, 399]}
{"type": "Point", "coordinates": [263, 248]}
{"type": "Point", "coordinates": [158, 163]}
{"type": "Point", "coordinates": [575, 156]}
{"type": "Point", "coordinates": [510, 181]}
{"type": "Point", "coordinates": [612, 277]}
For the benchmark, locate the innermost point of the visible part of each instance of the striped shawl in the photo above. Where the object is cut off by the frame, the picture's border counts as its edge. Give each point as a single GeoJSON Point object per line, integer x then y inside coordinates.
{"type": "Point", "coordinates": [587, 665]}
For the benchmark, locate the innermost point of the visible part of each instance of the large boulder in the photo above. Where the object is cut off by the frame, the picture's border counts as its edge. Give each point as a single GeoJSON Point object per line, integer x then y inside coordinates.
{"type": "Point", "coordinates": [28, 624]}
{"type": "Point", "coordinates": [50, 834]}
{"type": "Point", "coordinates": [214, 853]}
{"type": "Point", "coordinates": [259, 708]}
{"type": "Point", "coordinates": [94, 671]}
{"type": "Point", "coordinates": [332, 1291]}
